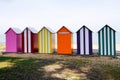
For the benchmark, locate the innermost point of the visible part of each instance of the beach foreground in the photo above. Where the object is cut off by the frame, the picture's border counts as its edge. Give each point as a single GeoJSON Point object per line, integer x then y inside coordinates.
{"type": "Point", "coordinates": [58, 67]}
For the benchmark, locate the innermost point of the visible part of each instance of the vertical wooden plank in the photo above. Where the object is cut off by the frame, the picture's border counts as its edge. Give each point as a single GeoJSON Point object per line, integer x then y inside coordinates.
{"type": "Point", "coordinates": [114, 44]}
{"type": "Point", "coordinates": [99, 43]}
{"type": "Point", "coordinates": [38, 42]}
{"type": "Point", "coordinates": [108, 32]}
{"type": "Point", "coordinates": [45, 40]}
{"type": "Point", "coordinates": [48, 33]}
{"type": "Point", "coordinates": [84, 40]}
{"type": "Point", "coordinates": [78, 42]}
{"type": "Point", "coordinates": [90, 43]}
{"type": "Point", "coordinates": [81, 42]}
{"type": "Point", "coordinates": [25, 40]}
{"type": "Point", "coordinates": [42, 41]}
{"type": "Point", "coordinates": [87, 41]}
{"type": "Point", "coordinates": [51, 43]}
{"type": "Point", "coordinates": [29, 41]}
{"type": "Point", "coordinates": [103, 41]}
{"type": "Point", "coordinates": [106, 40]}
{"type": "Point", "coordinates": [112, 33]}
{"type": "Point", "coordinates": [110, 43]}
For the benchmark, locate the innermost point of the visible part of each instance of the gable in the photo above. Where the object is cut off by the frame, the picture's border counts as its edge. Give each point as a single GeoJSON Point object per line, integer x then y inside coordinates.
{"type": "Point", "coordinates": [44, 28]}
{"type": "Point", "coordinates": [105, 28]}
{"type": "Point", "coordinates": [64, 29]}
{"type": "Point", "coordinates": [9, 31]}
{"type": "Point", "coordinates": [82, 29]}
{"type": "Point", "coordinates": [26, 29]}
{"type": "Point", "coordinates": [32, 30]}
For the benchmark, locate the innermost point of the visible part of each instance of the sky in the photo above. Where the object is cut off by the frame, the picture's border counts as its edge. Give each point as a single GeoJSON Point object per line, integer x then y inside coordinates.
{"type": "Point", "coordinates": [57, 13]}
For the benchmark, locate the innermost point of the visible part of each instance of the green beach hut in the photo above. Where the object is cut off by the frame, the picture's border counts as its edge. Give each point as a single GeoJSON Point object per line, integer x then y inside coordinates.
{"type": "Point", "coordinates": [107, 41]}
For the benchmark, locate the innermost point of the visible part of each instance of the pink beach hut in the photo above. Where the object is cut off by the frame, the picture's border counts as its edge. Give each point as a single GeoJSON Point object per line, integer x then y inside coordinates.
{"type": "Point", "coordinates": [13, 40]}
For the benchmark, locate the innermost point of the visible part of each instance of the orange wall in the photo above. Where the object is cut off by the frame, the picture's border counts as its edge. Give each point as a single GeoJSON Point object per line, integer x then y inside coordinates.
{"type": "Point", "coordinates": [64, 42]}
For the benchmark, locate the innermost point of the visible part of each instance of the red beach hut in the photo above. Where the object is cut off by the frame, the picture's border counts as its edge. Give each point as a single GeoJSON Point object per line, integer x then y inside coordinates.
{"type": "Point", "coordinates": [29, 40]}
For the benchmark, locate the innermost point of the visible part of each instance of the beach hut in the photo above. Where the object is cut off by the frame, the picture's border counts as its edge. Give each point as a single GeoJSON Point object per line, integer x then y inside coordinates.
{"type": "Point", "coordinates": [84, 41]}
{"type": "Point", "coordinates": [46, 40]}
{"type": "Point", "coordinates": [13, 40]}
{"type": "Point", "coordinates": [29, 40]}
{"type": "Point", "coordinates": [106, 39]}
{"type": "Point", "coordinates": [64, 41]}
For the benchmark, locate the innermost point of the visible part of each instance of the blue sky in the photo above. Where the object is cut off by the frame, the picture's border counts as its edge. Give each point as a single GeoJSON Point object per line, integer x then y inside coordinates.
{"type": "Point", "coordinates": [56, 13]}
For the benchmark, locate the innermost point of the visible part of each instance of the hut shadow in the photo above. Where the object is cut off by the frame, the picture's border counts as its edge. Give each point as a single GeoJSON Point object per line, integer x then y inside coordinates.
{"type": "Point", "coordinates": [40, 69]}
{"type": "Point", "coordinates": [25, 69]}
{"type": "Point", "coordinates": [50, 69]}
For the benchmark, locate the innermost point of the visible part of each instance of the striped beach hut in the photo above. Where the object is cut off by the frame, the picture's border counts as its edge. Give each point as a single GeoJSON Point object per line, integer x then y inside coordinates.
{"type": "Point", "coordinates": [13, 40]}
{"type": "Point", "coordinates": [46, 40]}
{"type": "Point", "coordinates": [84, 41]}
{"type": "Point", "coordinates": [29, 40]}
{"type": "Point", "coordinates": [106, 39]}
{"type": "Point", "coordinates": [64, 41]}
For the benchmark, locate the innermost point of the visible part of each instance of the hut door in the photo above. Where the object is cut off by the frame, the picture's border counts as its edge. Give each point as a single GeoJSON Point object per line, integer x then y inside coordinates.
{"type": "Point", "coordinates": [64, 43]}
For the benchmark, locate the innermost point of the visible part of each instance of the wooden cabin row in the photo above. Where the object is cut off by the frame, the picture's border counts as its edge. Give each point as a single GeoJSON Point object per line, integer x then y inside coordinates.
{"type": "Point", "coordinates": [29, 41]}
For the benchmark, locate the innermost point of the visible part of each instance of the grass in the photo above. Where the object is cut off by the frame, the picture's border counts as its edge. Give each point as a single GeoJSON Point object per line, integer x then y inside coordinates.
{"type": "Point", "coordinates": [86, 68]}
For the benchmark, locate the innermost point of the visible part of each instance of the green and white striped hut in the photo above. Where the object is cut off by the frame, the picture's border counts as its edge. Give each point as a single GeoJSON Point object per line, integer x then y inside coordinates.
{"type": "Point", "coordinates": [107, 41]}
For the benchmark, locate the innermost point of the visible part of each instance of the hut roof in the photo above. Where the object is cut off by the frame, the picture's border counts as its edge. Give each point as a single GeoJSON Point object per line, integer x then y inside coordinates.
{"type": "Point", "coordinates": [16, 30]}
{"type": "Point", "coordinates": [65, 28]}
{"type": "Point", "coordinates": [84, 27]}
{"type": "Point", "coordinates": [49, 29]}
{"type": "Point", "coordinates": [31, 29]}
{"type": "Point", "coordinates": [106, 26]}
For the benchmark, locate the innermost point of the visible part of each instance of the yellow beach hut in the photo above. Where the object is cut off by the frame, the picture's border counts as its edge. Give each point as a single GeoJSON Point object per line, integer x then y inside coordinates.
{"type": "Point", "coordinates": [46, 41]}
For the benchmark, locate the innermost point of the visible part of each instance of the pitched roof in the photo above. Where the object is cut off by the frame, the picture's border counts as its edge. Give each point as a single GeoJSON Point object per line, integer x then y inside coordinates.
{"type": "Point", "coordinates": [83, 27]}
{"type": "Point", "coordinates": [31, 29]}
{"type": "Point", "coordinates": [16, 30]}
{"type": "Point", "coordinates": [106, 26]}
{"type": "Point", "coordinates": [49, 29]}
{"type": "Point", "coordinates": [65, 28]}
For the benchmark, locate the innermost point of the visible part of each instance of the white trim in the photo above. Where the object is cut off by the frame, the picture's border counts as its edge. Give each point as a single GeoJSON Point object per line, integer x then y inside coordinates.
{"type": "Point", "coordinates": [29, 41]}
{"type": "Point", "coordinates": [81, 42]}
{"type": "Point", "coordinates": [53, 42]}
{"type": "Point", "coordinates": [43, 41]}
{"type": "Point", "coordinates": [112, 42]}
{"type": "Point", "coordinates": [49, 42]}
{"type": "Point", "coordinates": [46, 41]}
{"type": "Point", "coordinates": [25, 41]}
{"type": "Point", "coordinates": [108, 41]}
{"type": "Point", "coordinates": [86, 41]}
{"type": "Point", "coordinates": [63, 32]}
{"type": "Point", "coordinates": [105, 41]}
{"type": "Point", "coordinates": [101, 43]}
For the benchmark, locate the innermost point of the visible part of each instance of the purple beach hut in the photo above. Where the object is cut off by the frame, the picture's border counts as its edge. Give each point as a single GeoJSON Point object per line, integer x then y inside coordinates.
{"type": "Point", "coordinates": [84, 41]}
{"type": "Point", "coordinates": [13, 40]}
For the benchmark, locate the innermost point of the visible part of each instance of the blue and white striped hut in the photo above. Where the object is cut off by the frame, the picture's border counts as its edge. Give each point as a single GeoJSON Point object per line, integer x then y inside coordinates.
{"type": "Point", "coordinates": [106, 39]}
{"type": "Point", "coordinates": [84, 41]}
